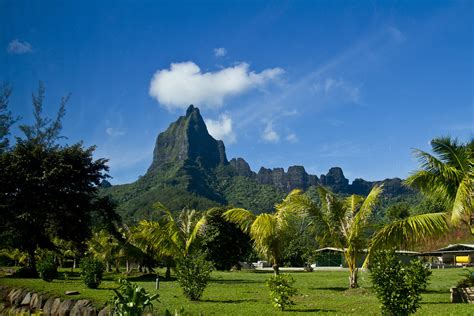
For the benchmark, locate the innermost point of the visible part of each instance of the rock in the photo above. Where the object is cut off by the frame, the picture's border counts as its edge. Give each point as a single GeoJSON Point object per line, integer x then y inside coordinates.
{"type": "Point", "coordinates": [55, 306]}
{"type": "Point", "coordinates": [16, 296]}
{"type": "Point", "coordinates": [48, 305]}
{"type": "Point", "coordinates": [187, 141]}
{"type": "Point", "coordinates": [79, 306]}
{"type": "Point", "coordinates": [89, 311]}
{"type": "Point", "coordinates": [241, 167]}
{"type": "Point", "coordinates": [65, 308]}
{"type": "Point", "coordinates": [264, 176]}
{"type": "Point", "coordinates": [37, 301]}
{"type": "Point", "coordinates": [26, 300]}
{"type": "Point", "coordinates": [71, 292]}
{"type": "Point", "coordinates": [335, 180]}
{"type": "Point", "coordinates": [105, 312]}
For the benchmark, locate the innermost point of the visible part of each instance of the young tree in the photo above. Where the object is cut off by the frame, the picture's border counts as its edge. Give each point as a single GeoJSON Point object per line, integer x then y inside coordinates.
{"type": "Point", "coordinates": [341, 222]}
{"type": "Point", "coordinates": [269, 232]}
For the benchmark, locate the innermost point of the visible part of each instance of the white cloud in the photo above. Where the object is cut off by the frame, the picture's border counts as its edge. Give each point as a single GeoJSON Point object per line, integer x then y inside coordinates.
{"type": "Point", "coordinates": [221, 129]}
{"type": "Point", "coordinates": [220, 52]}
{"type": "Point", "coordinates": [269, 135]}
{"type": "Point", "coordinates": [292, 138]}
{"type": "Point", "coordinates": [18, 47]}
{"type": "Point", "coordinates": [114, 132]}
{"type": "Point", "coordinates": [185, 84]}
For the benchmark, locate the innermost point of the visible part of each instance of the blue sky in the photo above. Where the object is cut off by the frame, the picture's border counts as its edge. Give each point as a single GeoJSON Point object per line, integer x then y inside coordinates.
{"type": "Point", "coordinates": [353, 84]}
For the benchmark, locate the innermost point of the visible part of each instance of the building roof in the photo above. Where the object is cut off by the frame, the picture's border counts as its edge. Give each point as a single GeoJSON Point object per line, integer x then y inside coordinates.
{"type": "Point", "coordinates": [407, 252]}
{"type": "Point", "coordinates": [451, 249]}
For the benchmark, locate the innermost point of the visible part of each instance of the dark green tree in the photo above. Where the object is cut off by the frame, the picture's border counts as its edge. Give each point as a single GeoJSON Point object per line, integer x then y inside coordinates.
{"type": "Point", "coordinates": [223, 242]}
{"type": "Point", "coordinates": [397, 211]}
{"type": "Point", "coordinates": [46, 190]}
{"type": "Point", "coordinates": [6, 117]}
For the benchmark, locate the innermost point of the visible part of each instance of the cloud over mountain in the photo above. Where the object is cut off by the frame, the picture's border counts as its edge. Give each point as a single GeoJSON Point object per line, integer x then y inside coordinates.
{"type": "Point", "coordinates": [184, 83]}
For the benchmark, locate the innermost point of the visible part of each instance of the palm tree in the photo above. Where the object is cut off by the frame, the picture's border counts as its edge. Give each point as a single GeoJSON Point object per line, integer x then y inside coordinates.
{"type": "Point", "coordinates": [170, 238]}
{"type": "Point", "coordinates": [269, 232]}
{"type": "Point", "coordinates": [447, 175]}
{"type": "Point", "coordinates": [341, 222]}
{"type": "Point", "coordinates": [105, 247]}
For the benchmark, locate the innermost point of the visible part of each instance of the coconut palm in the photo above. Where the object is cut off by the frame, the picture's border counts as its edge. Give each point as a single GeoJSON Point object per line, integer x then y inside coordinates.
{"type": "Point", "coordinates": [341, 222]}
{"type": "Point", "coordinates": [170, 238]}
{"type": "Point", "coordinates": [447, 174]}
{"type": "Point", "coordinates": [269, 232]}
{"type": "Point", "coordinates": [105, 247]}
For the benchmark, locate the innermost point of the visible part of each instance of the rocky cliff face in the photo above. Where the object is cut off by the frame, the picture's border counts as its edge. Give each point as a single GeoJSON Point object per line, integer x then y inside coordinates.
{"type": "Point", "coordinates": [187, 142]}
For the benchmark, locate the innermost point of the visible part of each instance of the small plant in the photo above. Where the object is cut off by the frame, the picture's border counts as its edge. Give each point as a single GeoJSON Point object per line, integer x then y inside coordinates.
{"type": "Point", "coordinates": [92, 271]}
{"type": "Point", "coordinates": [132, 300]}
{"type": "Point", "coordinates": [281, 290]}
{"type": "Point", "coordinates": [467, 281]}
{"type": "Point", "coordinates": [193, 274]}
{"type": "Point", "coordinates": [47, 268]}
{"type": "Point", "coordinates": [398, 286]}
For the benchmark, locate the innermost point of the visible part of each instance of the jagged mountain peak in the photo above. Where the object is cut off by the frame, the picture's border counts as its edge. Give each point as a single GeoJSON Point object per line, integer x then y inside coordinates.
{"type": "Point", "coordinates": [188, 142]}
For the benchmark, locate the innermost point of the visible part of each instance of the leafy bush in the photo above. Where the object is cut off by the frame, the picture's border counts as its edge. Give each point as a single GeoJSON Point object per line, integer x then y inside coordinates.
{"type": "Point", "coordinates": [398, 286]}
{"type": "Point", "coordinates": [468, 280]}
{"type": "Point", "coordinates": [193, 274]}
{"type": "Point", "coordinates": [281, 290]}
{"type": "Point", "coordinates": [92, 271]}
{"type": "Point", "coordinates": [132, 300]}
{"type": "Point", "coordinates": [47, 268]}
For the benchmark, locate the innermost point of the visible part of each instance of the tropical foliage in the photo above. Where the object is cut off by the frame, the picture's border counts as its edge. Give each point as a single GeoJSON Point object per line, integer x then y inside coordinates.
{"type": "Point", "coordinates": [398, 286]}
{"type": "Point", "coordinates": [281, 290]}
{"type": "Point", "coordinates": [446, 177]}
{"type": "Point", "coordinates": [193, 273]}
{"type": "Point", "coordinates": [269, 232]}
{"type": "Point", "coordinates": [340, 222]}
{"type": "Point", "coordinates": [132, 300]}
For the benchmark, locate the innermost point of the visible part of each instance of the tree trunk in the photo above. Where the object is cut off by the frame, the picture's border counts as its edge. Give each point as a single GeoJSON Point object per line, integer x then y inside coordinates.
{"type": "Point", "coordinates": [107, 266]}
{"type": "Point", "coordinates": [353, 278]}
{"type": "Point", "coordinates": [276, 269]}
{"type": "Point", "coordinates": [168, 272]}
{"type": "Point", "coordinates": [32, 262]}
{"type": "Point", "coordinates": [127, 266]}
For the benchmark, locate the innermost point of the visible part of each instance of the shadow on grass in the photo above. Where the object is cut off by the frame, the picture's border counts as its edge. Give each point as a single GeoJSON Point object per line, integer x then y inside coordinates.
{"type": "Point", "coordinates": [440, 291]}
{"type": "Point", "coordinates": [230, 301]}
{"type": "Point", "coordinates": [310, 310]}
{"type": "Point", "coordinates": [333, 288]}
{"type": "Point", "coordinates": [233, 281]}
{"type": "Point", "coordinates": [149, 278]}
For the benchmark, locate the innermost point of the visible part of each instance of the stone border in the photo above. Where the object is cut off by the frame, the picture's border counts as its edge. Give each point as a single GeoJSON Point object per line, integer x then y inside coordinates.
{"type": "Point", "coordinates": [16, 301]}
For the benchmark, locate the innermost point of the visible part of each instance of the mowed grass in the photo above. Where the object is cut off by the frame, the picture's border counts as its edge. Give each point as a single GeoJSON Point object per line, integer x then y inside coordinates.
{"type": "Point", "coordinates": [244, 293]}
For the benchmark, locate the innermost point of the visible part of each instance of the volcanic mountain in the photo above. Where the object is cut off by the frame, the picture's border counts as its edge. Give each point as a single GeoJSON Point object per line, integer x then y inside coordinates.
{"type": "Point", "coordinates": [190, 169]}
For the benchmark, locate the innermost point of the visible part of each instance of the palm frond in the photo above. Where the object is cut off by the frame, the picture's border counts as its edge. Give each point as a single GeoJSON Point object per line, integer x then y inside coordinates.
{"type": "Point", "coordinates": [410, 231]}
{"type": "Point", "coordinates": [462, 206]}
{"type": "Point", "coordinates": [196, 230]}
{"type": "Point", "coordinates": [242, 217]}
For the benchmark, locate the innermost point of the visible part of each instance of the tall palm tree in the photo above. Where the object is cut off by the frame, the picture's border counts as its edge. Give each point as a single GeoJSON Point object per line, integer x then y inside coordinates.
{"type": "Point", "coordinates": [341, 222]}
{"type": "Point", "coordinates": [269, 232]}
{"type": "Point", "coordinates": [170, 238]}
{"type": "Point", "coordinates": [446, 174]}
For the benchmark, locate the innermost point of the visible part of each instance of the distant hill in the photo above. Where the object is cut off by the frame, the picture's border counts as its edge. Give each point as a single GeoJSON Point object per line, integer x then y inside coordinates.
{"type": "Point", "coordinates": [190, 169]}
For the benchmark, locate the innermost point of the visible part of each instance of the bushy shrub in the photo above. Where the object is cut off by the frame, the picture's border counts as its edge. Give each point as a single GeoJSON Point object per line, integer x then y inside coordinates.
{"type": "Point", "coordinates": [468, 280]}
{"type": "Point", "coordinates": [193, 274]}
{"type": "Point", "coordinates": [132, 300]}
{"type": "Point", "coordinates": [47, 268]}
{"type": "Point", "coordinates": [92, 271]}
{"type": "Point", "coordinates": [398, 286]}
{"type": "Point", "coordinates": [281, 290]}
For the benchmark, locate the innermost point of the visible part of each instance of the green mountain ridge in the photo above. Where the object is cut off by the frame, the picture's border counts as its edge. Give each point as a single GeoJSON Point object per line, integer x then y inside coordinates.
{"type": "Point", "coordinates": [190, 169]}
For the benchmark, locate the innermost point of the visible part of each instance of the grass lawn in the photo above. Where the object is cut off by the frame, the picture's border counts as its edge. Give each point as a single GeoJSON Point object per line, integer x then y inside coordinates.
{"type": "Point", "coordinates": [244, 293]}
